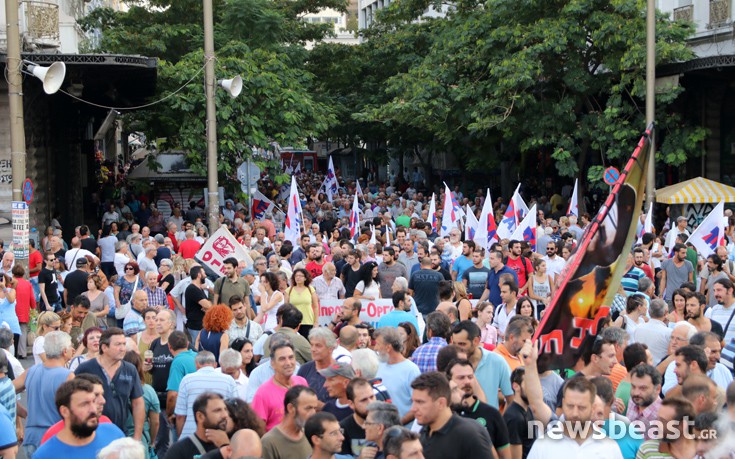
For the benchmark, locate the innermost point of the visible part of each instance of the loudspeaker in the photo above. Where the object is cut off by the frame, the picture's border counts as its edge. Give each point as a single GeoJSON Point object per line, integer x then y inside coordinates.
{"type": "Point", "coordinates": [52, 76]}
{"type": "Point", "coordinates": [233, 86]}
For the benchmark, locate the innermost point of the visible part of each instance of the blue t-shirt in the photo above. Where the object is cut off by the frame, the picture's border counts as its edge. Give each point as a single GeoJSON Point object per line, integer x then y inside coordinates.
{"type": "Point", "coordinates": [55, 448]}
{"type": "Point", "coordinates": [393, 318]}
{"type": "Point", "coordinates": [493, 279]}
{"type": "Point", "coordinates": [182, 365]}
{"type": "Point", "coordinates": [460, 265]}
{"type": "Point", "coordinates": [397, 378]}
{"type": "Point", "coordinates": [41, 385]}
{"type": "Point", "coordinates": [627, 443]}
{"type": "Point", "coordinates": [7, 430]}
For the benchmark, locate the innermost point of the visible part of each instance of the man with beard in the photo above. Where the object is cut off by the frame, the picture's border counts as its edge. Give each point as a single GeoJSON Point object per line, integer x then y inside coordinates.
{"type": "Point", "coordinates": [464, 261]}
{"type": "Point", "coordinates": [695, 305]}
{"type": "Point", "coordinates": [231, 284]}
{"type": "Point", "coordinates": [287, 440]}
{"type": "Point", "coordinates": [315, 266]}
{"type": "Point", "coordinates": [437, 265]}
{"type": "Point", "coordinates": [464, 402]}
{"type": "Point", "coordinates": [82, 435]}
{"type": "Point", "coordinates": [210, 412]}
{"type": "Point", "coordinates": [518, 417]}
{"type": "Point", "coordinates": [388, 271]}
{"type": "Point", "coordinates": [718, 372]}
{"type": "Point", "coordinates": [639, 259]}
{"type": "Point", "coordinates": [645, 386]}
{"type": "Point", "coordinates": [359, 395]}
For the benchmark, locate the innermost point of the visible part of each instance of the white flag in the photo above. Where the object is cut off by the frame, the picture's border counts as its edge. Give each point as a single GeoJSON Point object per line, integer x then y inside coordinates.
{"type": "Point", "coordinates": [487, 230]}
{"type": "Point", "coordinates": [293, 216]}
{"type": "Point", "coordinates": [220, 246]}
{"type": "Point", "coordinates": [573, 201]}
{"type": "Point", "coordinates": [711, 232]}
{"type": "Point", "coordinates": [470, 225]}
{"type": "Point", "coordinates": [526, 231]}
{"type": "Point", "coordinates": [355, 220]}
{"type": "Point", "coordinates": [432, 213]}
{"type": "Point", "coordinates": [450, 214]}
{"type": "Point", "coordinates": [330, 181]}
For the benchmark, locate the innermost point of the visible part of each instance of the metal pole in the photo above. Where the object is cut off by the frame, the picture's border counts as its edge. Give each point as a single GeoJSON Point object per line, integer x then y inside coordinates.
{"type": "Point", "coordinates": [250, 193]}
{"type": "Point", "coordinates": [211, 122]}
{"type": "Point", "coordinates": [15, 101]}
{"type": "Point", "coordinates": [651, 97]}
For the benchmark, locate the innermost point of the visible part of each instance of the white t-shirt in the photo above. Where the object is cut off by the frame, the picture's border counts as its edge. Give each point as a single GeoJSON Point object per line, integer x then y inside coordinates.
{"type": "Point", "coordinates": [120, 261]}
{"type": "Point", "coordinates": [373, 290]}
{"type": "Point", "coordinates": [107, 248]}
{"type": "Point", "coordinates": [38, 349]}
{"type": "Point", "coordinates": [554, 267]}
{"type": "Point", "coordinates": [72, 255]}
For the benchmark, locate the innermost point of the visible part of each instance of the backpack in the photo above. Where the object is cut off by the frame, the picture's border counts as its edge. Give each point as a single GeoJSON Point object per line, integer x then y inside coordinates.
{"type": "Point", "coordinates": [524, 260]}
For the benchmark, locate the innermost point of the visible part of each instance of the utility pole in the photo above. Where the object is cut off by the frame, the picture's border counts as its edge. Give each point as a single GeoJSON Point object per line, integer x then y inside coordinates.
{"type": "Point", "coordinates": [13, 66]}
{"type": "Point", "coordinates": [211, 122]}
{"type": "Point", "coordinates": [651, 97]}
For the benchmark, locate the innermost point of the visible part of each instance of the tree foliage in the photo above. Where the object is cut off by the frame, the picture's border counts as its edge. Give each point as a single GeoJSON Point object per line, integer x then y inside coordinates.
{"type": "Point", "coordinates": [498, 79]}
{"type": "Point", "coordinates": [261, 40]}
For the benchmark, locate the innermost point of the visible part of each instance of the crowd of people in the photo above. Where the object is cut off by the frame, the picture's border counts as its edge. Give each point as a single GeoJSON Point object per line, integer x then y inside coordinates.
{"type": "Point", "coordinates": [140, 351]}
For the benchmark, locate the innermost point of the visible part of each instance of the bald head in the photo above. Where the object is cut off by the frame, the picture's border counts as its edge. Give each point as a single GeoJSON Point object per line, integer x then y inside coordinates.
{"type": "Point", "coordinates": [76, 243]}
{"type": "Point", "coordinates": [348, 337]}
{"type": "Point", "coordinates": [246, 443]}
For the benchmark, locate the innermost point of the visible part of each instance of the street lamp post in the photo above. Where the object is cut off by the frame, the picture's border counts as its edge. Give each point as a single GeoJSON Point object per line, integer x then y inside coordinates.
{"type": "Point", "coordinates": [211, 122]}
{"type": "Point", "coordinates": [651, 97]}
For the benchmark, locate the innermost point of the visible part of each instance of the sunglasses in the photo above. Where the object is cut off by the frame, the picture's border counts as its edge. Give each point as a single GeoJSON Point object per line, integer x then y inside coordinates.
{"type": "Point", "coordinates": [129, 268]}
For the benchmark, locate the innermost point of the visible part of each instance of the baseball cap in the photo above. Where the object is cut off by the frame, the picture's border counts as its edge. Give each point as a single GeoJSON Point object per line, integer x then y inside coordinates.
{"type": "Point", "coordinates": [338, 369]}
{"type": "Point", "coordinates": [81, 261]}
{"type": "Point", "coordinates": [247, 272]}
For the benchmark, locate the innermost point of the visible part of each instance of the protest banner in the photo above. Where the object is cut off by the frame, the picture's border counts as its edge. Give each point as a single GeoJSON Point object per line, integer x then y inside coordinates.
{"type": "Point", "coordinates": [221, 245]}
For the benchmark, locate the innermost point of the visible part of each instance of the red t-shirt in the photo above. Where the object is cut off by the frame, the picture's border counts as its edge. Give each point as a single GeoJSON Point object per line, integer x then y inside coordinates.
{"type": "Point", "coordinates": [24, 300]}
{"type": "Point", "coordinates": [314, 268]}
{"type": "Point", "coordinates": [35, 259]}
{"type": "Point", "coordinates": [189, 248]}
{"type": "Point", "coordinates": [56, 428]}
{"type": "Point", "coordinates": [647, 269]}
{"type": "Point", "coordinates": [517, 266]}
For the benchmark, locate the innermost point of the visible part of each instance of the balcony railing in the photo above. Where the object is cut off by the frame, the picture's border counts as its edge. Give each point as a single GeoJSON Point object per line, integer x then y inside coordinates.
{"type": "Point", "coordinates": [39, 24]}
{"type": "Point", "coordinates": [719, 14]}
{"type": "Point", "coordinates": [685, 13]}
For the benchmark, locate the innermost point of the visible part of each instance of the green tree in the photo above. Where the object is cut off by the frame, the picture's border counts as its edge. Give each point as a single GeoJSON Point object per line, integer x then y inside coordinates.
{"type": "Point", "coordinates": [261, 40]}
{"type": "Point", "coordinates": [564, 78]}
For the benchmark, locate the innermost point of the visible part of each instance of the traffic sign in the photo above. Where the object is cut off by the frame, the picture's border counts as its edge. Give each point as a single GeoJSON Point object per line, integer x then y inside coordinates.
{"type": "Point", "coordinates": [28, 191]}
{"type": "Point", "coordinates": [248, 170]}
{"type": "Point", "coordinates": [611, 176]}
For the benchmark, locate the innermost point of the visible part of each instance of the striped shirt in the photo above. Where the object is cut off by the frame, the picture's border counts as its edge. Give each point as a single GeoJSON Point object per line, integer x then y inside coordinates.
{"type": "Point", "coordinates": [133, 323]}
{"type": "Point", "coordinates": [721, 315]}
{"type": "Point", "coordinates": [206, 379]}
{"type": "Point", "coordinates": [7, 396]}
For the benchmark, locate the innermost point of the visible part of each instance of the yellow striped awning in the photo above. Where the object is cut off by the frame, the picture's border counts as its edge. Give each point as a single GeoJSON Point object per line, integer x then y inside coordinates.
{"type": "Point", "coordinates": [695, 191]}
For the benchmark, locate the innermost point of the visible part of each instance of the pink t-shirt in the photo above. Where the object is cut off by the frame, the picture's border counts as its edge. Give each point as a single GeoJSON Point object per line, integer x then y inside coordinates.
{"type": "Point", "coordinates": [268, 400]}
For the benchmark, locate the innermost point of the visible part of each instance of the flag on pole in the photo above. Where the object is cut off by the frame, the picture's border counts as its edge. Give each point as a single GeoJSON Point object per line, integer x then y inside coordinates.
{"type": "Point", "coordinates": [358, 189]}
{"type": "Point", "coordinates": [515, 212]}
{"type": "Point", "coordinates": [355, 220]}
{"type": "Point", "coordinates": [293, 216]}
{"type": "Point", "coordinates": [486, 233]}
{"type": "Point", "coordinates": [387, 236]}
{"type": "Point", "coordinates": [647, 224]}
{"type": "Point", "coordinates": [450, 214]}
{"type": "Point", "coordinates": [373, 239]}
{"type": "Point", "coordinates": [593, 273]}
{"type": "Point", "coordinates": [297, 171]}
{"type": "Point", "coordinates": [711, 232]}
{"type": "Point", "coordinates": [573, 201]}
{"type": "Point", "coordinates": [432, 213]}
{"type": "Point", "coordinates": [455, 204]}
{"type": "Point", "coordinates": [261, 205]}
{"type": "Point", "coordinates": [470, 225]}
{"type": "Point", "coordinates": [330, 182]}
{"type": "Point", "coordinates": [526, 230]}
